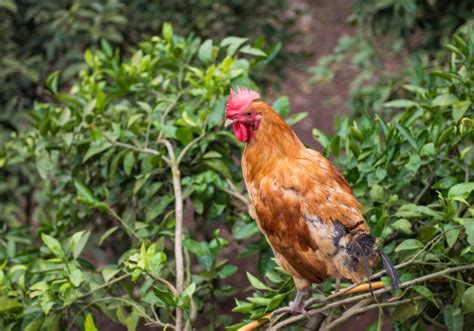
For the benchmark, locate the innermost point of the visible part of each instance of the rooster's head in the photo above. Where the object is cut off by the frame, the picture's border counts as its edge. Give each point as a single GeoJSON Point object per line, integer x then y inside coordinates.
{"type": "Point", "coordinates": [240, 115]}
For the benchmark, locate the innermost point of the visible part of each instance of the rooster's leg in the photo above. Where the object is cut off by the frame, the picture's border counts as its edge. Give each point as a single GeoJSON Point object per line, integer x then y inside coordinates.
{"type": "Point", "coordinates": [338, 284]}
{"type": "Point", "coordinates": [297, 305]}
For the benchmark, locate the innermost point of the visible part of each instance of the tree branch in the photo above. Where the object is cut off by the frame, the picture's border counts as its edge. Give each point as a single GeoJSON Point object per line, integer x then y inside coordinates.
{"type": "Point", "coordinates": [356, 298]}
{"type": "Point", "coordinates": [178, 237]}
{"type": "Point", "coordinates": [360, 310]}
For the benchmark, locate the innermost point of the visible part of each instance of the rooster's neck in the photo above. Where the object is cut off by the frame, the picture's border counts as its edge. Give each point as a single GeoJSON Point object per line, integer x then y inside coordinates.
{"type": "Point", "coordinates": [274, 142]}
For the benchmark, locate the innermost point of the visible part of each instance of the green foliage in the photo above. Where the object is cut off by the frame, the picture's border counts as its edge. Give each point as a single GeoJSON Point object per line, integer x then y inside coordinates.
{"type": "Point", "coordinates": [38, 37]}
{"type": "Point", "coordinates": [390, 36]}
{"type": "Point", "coordinates": [102, 159]}
{"type": "Point", "coordinates": [413, 173]}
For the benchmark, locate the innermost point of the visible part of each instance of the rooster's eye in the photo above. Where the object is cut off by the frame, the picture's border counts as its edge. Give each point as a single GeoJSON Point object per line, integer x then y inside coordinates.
{"type": "Point", "coordinates": [249, 113]}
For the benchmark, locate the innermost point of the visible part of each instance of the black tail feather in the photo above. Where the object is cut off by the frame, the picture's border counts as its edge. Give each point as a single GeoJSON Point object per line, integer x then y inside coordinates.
{"type": "Point", "coordinates": [363, 247]}
{"type": "Point", "coordinates": [391, 271]}
{"type": "Point", "coordinates": [368, 272]}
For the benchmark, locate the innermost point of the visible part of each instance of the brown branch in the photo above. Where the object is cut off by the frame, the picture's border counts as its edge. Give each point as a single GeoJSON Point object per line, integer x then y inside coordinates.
{"type": "Point", "coordinates": [356, 298]}
{"type": "Point", "coordinates": [424, 190]}
{"type": "Point", "coordinates": [360, 310]}
{"type": "Point", "coordinates": [178, 238]}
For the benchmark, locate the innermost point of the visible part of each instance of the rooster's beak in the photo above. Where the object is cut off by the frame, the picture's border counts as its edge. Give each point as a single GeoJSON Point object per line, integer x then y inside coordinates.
{"type": "Point", "coordinates": [228, 122]}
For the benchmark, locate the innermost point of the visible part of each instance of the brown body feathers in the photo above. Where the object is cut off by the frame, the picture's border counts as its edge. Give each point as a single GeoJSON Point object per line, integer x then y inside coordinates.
{"type": "Point", "coordinates": [304, 206]}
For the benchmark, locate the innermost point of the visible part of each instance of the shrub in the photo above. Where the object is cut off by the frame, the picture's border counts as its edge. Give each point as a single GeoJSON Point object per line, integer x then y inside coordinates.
{"type": "Point", "coordinates": [136, 144]}
{"type": "Point", "coordinates": [40, 37]}
{"type": "Point", "coordinates": [413, 174]}
{"type": "Point", "coordinates": [390, 36]}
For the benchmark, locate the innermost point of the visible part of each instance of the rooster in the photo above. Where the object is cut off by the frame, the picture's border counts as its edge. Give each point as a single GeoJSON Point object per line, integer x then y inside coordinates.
{"type": "Point", "coordinates": [301, 203]}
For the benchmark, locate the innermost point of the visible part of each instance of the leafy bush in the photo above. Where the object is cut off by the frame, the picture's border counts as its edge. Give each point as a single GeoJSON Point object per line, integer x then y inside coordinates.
{"type": "Point", "coordinates": [413, 174]}
{"type": "Point", "coordinates": [131, 153]}
{"type": "Point", "coordinates": [41, 36]}
{"type": "Point", "coordinates": [390, 36]}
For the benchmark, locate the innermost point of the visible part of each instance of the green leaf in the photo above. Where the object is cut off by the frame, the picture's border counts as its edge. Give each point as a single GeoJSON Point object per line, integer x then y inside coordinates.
{"type": "Point", "coordinates": [107, 234]}
{"type": "Point", "coordinates": [407, 135]}
{"type": "Point", "coordinates": [282, 106]}
{"type": "Point", "coordinates": [244, 231]}
{"type": "Point", "coordinates": [220, 166]}
{"type": "Point", "coordinates": [233, 44]}
{"type": "Point", "coordinates": [76, 277]}
{"type": "Point", "coordinates": [403, 226]}
{"type": "Point", "coordinates": [468, 301]}
{"type": "Point", "coordinates": [445, 183]}
{"type": "Point", "coordinates": [260, 301]}
{"type": "Point", "coordinates": [444, 100]}
{"type": "Point", "coordinates": [409, 245]}
{"type": "Point", "coordinates": [411, 210]}
{"type": "Point", "coordinates": [243, 308]}
{"type": "Point", "coordinates": [469, 228]}
{"type": "Point", "coordinates": [321, 138]}
{"type": "Point", "coordinates": [9, 305]}
{"type": "Point", "coordinates": [252, 51]}
{"type": "Point", "coordinates": [53, 245]}
{"type": "Point", "coordinates": [414, 163]}
{"type": "Point", "coordinates": [78, 242]}
{"type": "Point", "coordinates": [184, 135]}
{"type": "Point", "coordinates": [158, 209]}
{"type": "Point", "coordinates": [377, 193]}
{"type": "Point", "coordinates": [452, 236]}
{"type": "Point", "coordinates": [167, 31]}
{"type": "Point", "coordinates": [96, 149]}
{"type": "Point", "coordinates": [44, 165]}
{"type": "Point", "coordinates": [34, 325]}
{"type": "Point", "coordinates": [461, 190]}
{"type": "Point", "coordinates": [295, 118]}
{"type": "Point", "coordinates": [52, 81]}
{"type": "Point", "coordinates": [425, 292]}
{"type": "Point", "coordinates": [227, 271]}
{"type": "Point", "coordinates": [205, 51]}
{"type": "Point", "coordinates": [89, 324]}
{"type": "Point", "coordinates": [165, 296]}
{"type": "Point", "coordinates": [84, 193]}
{"type": "Point", "coordinates": [459, 109]}
{"type": "Point", "coordinates": [453, 318]}
{"type": "Point", "coordinates": [135, 117]}
{"type": "Point", "coordinates": [89, 58]}
{"type": "Point", "coordinates": [401, 103]}
{"type": "Point", "coordinates": [256, 283]}
{"type": "Point", "coordinates": [129, 162]}
{"type": "Point", "coordinates": [109, 273]}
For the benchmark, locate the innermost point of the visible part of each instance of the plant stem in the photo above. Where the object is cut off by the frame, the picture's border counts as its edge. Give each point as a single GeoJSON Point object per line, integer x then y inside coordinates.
{"type": "Point", "coordinates": [178, 238]}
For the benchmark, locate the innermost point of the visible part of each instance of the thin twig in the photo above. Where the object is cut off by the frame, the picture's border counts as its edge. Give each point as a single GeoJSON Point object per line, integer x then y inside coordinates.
{"type": "Point", "coordinates": [187, 148]}
{"type": "Point", "coordinates": [235, 193]}
{"type": "Point", "coordinates": [433, 321]}
{"type": "Point", "coordinates": [359, 310]}
{"type": "Point", "coordinates": [424, 190]}
{"type": "Point", "coordinates": [167, 283]}
{"type": "Point", "coordinates": [242, 199]}
{"type": "Point", "coordinates": [122, 221]}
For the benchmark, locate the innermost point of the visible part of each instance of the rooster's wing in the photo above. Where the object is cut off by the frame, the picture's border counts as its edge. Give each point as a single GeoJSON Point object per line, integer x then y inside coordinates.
{"type": "Point", "coordinates": [308, 213]}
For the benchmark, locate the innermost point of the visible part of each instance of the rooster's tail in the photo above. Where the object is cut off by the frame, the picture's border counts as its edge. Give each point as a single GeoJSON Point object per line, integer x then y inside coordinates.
{"type": "Point", "coordinates": [364, 249]}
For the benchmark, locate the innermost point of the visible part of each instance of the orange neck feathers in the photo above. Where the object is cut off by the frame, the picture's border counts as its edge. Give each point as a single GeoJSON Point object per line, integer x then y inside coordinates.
{"type": "Point", "coordinates": [273, 141]}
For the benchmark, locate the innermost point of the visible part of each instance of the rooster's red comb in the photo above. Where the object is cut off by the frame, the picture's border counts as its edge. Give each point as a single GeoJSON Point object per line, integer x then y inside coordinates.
{"type": "Point", "coordinates": [240, 100]}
